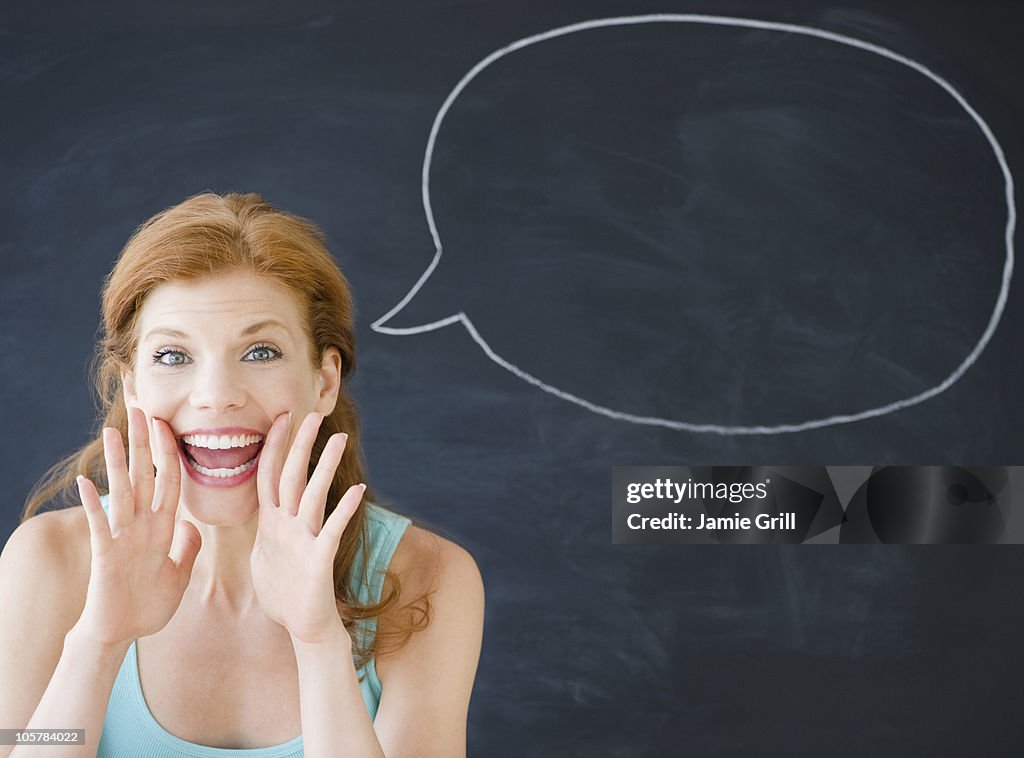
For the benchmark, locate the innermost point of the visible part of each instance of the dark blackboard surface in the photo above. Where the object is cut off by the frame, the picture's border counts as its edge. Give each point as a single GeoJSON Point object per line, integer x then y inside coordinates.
{"type": "Point", "coordinates": [687, 222]}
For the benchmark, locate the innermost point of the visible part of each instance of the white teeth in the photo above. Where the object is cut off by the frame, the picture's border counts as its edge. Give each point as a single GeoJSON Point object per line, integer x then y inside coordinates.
{"type": "Point", "coordinates": [223, 473]}
{"type": "Point", "coordinates": [222, 442]}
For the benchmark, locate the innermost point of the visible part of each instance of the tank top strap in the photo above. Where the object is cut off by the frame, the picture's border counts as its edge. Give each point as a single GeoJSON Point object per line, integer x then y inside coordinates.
{"type": "Point", "coordinates": [384, 530]}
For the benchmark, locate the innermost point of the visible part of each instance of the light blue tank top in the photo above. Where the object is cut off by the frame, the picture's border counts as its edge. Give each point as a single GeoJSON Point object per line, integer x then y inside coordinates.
{"type": "Point", "coordinates": [131, 731]}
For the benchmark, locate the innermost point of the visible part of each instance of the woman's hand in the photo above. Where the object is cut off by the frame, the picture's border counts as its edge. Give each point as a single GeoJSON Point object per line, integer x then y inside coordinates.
{"type": "Point", "coordinates": [141, 565]}
{"type": "Point", "coordinates": [293, 557]}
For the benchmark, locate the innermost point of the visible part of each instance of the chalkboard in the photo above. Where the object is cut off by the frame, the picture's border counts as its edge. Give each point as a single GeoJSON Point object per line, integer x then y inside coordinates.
{"type": "Point", "coordinates": [740, 234]}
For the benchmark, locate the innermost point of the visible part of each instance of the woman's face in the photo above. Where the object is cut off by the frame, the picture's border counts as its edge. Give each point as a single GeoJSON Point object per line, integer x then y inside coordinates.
{"type": "Point", "coordinates": [219, 359]}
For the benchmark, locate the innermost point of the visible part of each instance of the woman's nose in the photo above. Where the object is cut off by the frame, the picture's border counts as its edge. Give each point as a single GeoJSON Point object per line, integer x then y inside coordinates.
{"type": "Point", "coordinates": [218, 389]}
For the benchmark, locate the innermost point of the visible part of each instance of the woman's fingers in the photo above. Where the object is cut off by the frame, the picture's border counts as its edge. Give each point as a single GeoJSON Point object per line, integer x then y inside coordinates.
{"type": "Point", "coordinates": [330, 535]}
{"type": "Point", "coordinates": [285, 485]}
{"type": "Point", "coordinates": [99, 527]}
{"type": "Point", "coordinates": [293, 476]}
{"type": "Point", "coordinates": [140, 459]}
{"type": "Point", "coordinates": [127, 491]}
{"type": "Point", "coordinates": [121, 504]}
{"type": "Point", "coordinates": [314, 499]}
{"type": "Point", "coordinates": [168, 470]}
{"type": "Point", "coordinates": [269, 467]}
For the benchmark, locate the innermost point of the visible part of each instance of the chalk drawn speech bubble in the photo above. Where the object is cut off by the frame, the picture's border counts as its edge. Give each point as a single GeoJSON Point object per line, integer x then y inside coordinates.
{"type": "Point", "coordinates": [463, 318]}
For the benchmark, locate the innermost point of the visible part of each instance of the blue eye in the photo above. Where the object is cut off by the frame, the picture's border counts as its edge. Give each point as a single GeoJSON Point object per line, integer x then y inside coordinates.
{"type": "Point", "coordinates": [178, 357]}
{"type": "Point", "coordinates": [264, 353]}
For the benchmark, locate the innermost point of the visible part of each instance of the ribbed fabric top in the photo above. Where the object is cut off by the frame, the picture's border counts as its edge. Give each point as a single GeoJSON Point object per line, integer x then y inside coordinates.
{"type": "Point", "coordinates": [130, 730]}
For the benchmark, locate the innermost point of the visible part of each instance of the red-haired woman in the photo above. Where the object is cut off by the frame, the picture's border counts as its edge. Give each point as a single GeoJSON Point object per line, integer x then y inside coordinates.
{"type": "Point", "coordinates": [248, 594]}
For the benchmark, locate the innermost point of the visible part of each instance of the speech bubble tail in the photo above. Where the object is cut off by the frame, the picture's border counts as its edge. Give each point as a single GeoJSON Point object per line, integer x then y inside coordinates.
{"type": "Point", "coordinates": [419, 328]}
{"type": "Point", "coordinates": [378, 325]}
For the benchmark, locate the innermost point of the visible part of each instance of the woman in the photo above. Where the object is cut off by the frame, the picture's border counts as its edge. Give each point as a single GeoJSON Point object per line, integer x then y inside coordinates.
{"type": "Point", "coordinates": [248, 594]}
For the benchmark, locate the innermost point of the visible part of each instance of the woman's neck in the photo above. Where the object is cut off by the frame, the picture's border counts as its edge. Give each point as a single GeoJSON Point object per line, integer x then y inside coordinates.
{"type": "Point", "coordinates": [222, 576]}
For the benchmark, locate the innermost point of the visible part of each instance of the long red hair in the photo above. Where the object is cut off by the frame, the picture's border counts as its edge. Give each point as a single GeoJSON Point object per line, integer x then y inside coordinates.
{"type": "Point", "coordinates": [212, 234]}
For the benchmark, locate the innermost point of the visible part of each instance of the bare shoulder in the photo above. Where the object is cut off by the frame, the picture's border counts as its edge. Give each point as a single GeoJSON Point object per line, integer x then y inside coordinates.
{"type": "Point", "coordinates": [52, 546]}
{"type": "Point", "coordinates": [44, 575]}
{"type": "Point", "coordinates": [429, 565]}
{"type": "Point", "coordinates": [430, 562]}
{"type": "Point", "coordinates": [66, 531]}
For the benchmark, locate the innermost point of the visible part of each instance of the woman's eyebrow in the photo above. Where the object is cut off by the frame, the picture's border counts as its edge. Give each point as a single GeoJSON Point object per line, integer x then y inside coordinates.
{"type": "Point", "coordinates": [244, 333]}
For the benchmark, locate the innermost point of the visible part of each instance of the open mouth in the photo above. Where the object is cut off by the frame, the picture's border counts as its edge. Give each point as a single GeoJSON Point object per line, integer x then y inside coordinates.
{"type": "Point", "coordinates": [221, 457]}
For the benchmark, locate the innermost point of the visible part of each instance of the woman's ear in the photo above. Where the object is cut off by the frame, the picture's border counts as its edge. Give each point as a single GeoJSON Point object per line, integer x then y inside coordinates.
{"type": "Point", "coordinates": [128, 389]}
{"type": "Point", "coordinates": [329, 379]}
{"type": "Point", "coordinates": [131, 398]}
